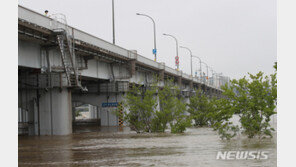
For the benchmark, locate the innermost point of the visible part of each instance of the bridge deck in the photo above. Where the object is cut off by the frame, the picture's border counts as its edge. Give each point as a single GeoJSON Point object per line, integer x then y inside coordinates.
{"type": "Point", "coordinates": [44, 24]}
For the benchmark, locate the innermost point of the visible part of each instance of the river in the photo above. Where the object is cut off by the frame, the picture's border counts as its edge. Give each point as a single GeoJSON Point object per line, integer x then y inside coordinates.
{"type": "Point", "coordinates": [98, 146]}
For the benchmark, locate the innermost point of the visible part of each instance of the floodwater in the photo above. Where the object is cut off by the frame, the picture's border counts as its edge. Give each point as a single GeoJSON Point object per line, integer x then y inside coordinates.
{"type": "Point", "coordinates": [93, 146]}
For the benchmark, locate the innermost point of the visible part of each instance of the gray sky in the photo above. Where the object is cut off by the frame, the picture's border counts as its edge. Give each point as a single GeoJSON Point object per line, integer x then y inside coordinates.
{"type": "Point", "coordinates": [232, 36]}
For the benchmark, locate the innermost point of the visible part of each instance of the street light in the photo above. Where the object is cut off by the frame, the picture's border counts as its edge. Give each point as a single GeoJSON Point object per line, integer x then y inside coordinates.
{"type": "Point", "coordinates": [207, 69]}
{"type": "Point", "coordinates": [190, 57]}
{"type": "Point", "coordinates": [200, 69]}
{"type": "Point", "coordinates": [154, 29]}
{"type": "Point", "coordinates": [113, 24]}
{"type": "Point", "coordinates": [217, 76]}
{"type": "Point", "coordinates": [177, 57]}
{"type": "Point", "coordinates": [212, 75]}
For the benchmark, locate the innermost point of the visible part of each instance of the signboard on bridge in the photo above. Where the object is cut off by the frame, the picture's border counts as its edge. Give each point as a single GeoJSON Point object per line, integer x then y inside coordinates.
{"type": "Point", "coordinates": [113, 104]}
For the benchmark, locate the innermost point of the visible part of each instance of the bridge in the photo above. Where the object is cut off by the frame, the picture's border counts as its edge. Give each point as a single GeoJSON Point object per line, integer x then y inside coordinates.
{"type": "Point", "coordinates": [61, 67]}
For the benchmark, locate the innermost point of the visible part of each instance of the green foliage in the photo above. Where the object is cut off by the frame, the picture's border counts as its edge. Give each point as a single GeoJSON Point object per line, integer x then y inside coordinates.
{"type": "Point", "coordinates": [180, 120]}
{"type": "Point", "coordinates": [143, 115]}
{"type": "Point", "coordinates": [167, 102]}
{"type": "Point", "coordinates": [171, 110]}
{"type": "Point", "coordinates": [213, 112]}
{"type": "Point", "coordinates": [200, 107]}
{"type": "Point", "coordinates": [257, 101]}
{"type": "Point", "coordinates": [141, 104]}
{"type": "Point", "coordinates": [78, 113]}
{"type": "Point", "coordinates": [254, 101]}
{"type": "Point", "coordinates": [220, 118]}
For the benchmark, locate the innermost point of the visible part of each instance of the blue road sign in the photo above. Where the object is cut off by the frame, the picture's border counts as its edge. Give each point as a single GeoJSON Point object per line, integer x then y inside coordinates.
{"type": "Point", "coordinates": [114, 104]}
{"type": "Point", "coordinates": [154, 51]}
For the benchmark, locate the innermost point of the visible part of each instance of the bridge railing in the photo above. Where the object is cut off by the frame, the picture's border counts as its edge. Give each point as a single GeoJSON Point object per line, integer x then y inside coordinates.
{"type": "Point", "coordinates": [59, 22]}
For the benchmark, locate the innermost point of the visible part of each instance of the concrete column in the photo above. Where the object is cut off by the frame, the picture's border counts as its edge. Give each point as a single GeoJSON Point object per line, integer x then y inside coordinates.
{"type": "Point", "coordinates": [32, 118]}
{"type": "Point", "coordinates": [133, 67]}
{"type": "Point", "coordinates": [180, 82]}
{"type": "Point", "coordinates": [191, 85]}
{"type": "Point", "coordinates": [187, 101]}
{"type": "Point", "coordinates": [56, 112]}
{"type": "Point", "coordinates": [199, 86]}
{"type": "Point", "coordinates": [161, 75]}
{"type": "Point", "coordinates": [73, 112]}
{"type": "Point", "coordinates": [93, 112]}
{"type": "Point", "coordinates": [211, 92]}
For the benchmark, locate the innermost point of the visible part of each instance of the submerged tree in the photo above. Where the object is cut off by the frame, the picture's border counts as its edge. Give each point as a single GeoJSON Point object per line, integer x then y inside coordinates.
{"type": "Point", "coordinates": [220, 116]}
{"type": "Point", "coordinates": [171, 111]}
{"type": "Point", "coordinates": [180, 120]}
{"type": "Point", "coordinates": [258, 102]}
{"type": "Point", "coordinates": [199, 108]}
{"type": "Point", "coordinates": [254, 101]}
{"type": "Point", "coordinates": [143, 115]}
{"type": "Point", "coordinates": [140, 105]}
{"type": "Point", "coordinates": [167, 99]}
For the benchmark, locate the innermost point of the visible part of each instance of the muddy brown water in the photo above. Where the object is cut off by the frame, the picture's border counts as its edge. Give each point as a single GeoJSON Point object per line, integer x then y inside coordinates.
{"type": "Point", "coordinates": [94, 146]}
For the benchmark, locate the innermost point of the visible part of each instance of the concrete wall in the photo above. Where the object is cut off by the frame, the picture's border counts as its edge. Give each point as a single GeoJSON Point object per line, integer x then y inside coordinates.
{"type": "Point", "coordinates": [28, 54]}
{"type": "Point", "coordinates": [97, 69]}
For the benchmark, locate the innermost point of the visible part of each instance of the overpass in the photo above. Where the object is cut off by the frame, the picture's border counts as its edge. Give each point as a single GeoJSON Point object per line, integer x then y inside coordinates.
{"type": "Point", "coordinates": [61, 67]}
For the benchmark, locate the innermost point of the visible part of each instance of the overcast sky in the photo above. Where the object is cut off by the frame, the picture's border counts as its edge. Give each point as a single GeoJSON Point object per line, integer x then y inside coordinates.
{"type": "Point", "coordinates": [232, 36]}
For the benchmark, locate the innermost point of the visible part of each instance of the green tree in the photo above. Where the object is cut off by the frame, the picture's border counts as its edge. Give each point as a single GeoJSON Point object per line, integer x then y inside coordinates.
{"type": "Point", "coordinates": [140, 104]}
{"type": "Point", "coordinates": [199, 108]}
{"type": "Point", "coordinates": [171, 111]}
{"type": "Point", "coordinates": [220, 117]}
{"type": "Point", "coordinates": [180, 120]}
{"type": "Point", "coordinates": [167, 102]}
{"type": "Point", "coordinates": [253, 100]}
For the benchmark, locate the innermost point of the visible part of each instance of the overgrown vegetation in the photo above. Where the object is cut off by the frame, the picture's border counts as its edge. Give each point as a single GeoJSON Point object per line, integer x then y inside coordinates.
{"type": "Point", "coordinates": [253, 100]}
{"type": "Point", "coordinates": [200, 107]}
{"type": "Point", "coordinates": [153, 108]}
{"type": "Point", "coordinates": [141, 104]}
{"type": "Point", "coordinates": [144, 114]}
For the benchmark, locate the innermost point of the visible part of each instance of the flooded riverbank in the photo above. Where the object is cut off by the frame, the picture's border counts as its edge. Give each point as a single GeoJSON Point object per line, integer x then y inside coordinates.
{"type": "Point", "coordinates": [110, 147]}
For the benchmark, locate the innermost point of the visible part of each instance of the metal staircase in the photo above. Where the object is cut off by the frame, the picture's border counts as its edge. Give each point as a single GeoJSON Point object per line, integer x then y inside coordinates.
{"type": "Point", "coordinates": [66, 46]}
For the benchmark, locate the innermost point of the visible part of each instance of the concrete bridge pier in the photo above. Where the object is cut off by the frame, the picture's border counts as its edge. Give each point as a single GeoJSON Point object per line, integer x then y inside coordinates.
{"type": "Point", "coordinates": [55, 109]}
{"type": "Point", "coordinates": [211, 92]}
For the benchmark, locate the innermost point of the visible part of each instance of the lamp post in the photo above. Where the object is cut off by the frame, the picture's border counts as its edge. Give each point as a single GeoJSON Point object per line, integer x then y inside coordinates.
{"type": "Point", "coordinates": [212, 75]}
{"type": "Point", "coordinates": [190, 57]}
{"type": "Point", "coordinates": [200, 69]}
{"type": "Point", "coordinates": [113, 22]}
{"type": "Point", "coordinates": [219, 78]}
{"type": "Point", "coordinates": [154, 30]}
{"type": "Point", "coordinates": [207, 69]}
{"type": "Point", "coordinates": [177, 56]}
